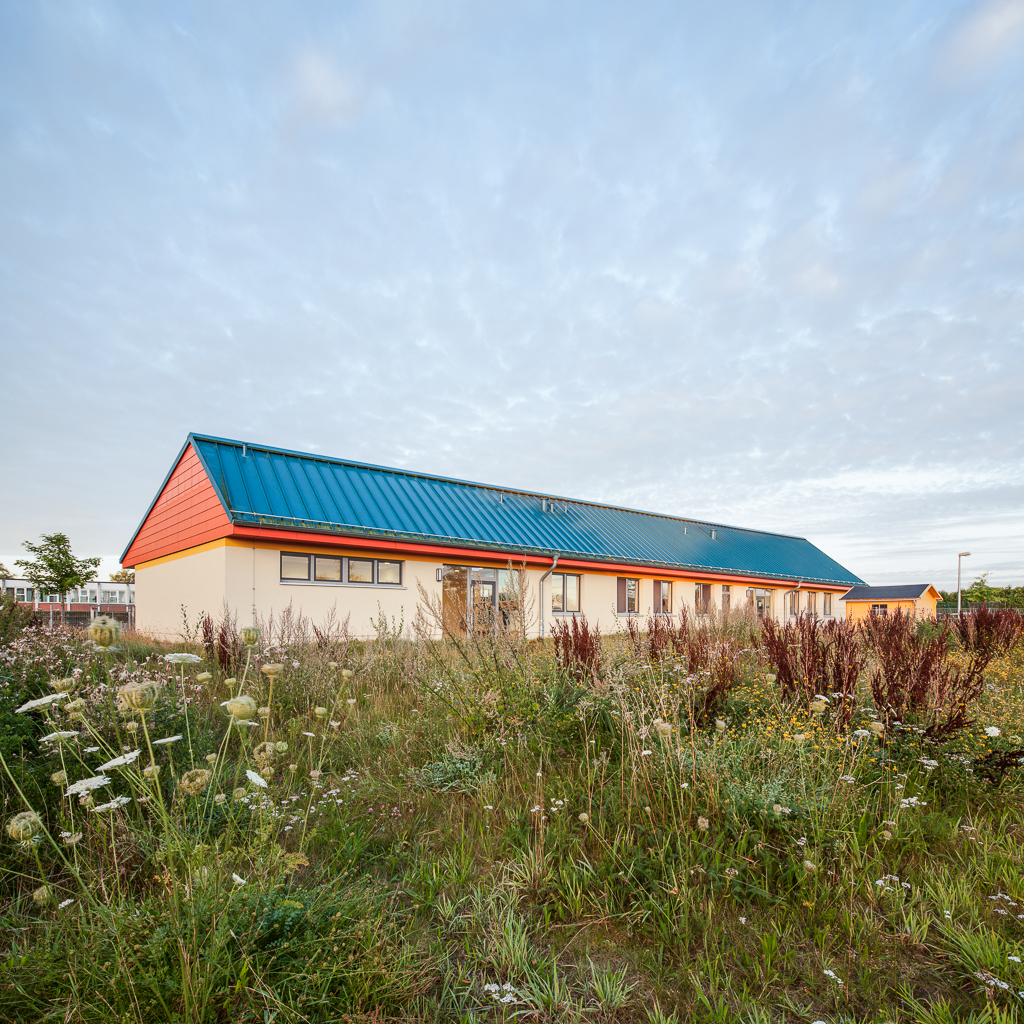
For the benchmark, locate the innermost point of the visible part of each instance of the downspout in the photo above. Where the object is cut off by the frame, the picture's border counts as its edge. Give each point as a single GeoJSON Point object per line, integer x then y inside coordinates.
{"type": "Point", "coordinates": [540, 590]}
{"type": "Point", "coordinates": [796, 590]}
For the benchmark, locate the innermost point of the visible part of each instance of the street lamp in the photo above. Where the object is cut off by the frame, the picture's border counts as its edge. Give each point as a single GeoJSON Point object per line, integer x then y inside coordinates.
{"type": "Point", "coordinates": [963, 554]}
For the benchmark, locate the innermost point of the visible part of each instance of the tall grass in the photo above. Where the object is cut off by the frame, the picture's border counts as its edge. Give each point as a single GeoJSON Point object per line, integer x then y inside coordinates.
{"type": "Point", "coordinates": [659, 825]}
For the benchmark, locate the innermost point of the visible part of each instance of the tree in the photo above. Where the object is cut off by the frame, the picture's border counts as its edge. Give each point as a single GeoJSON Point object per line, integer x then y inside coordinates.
{"type": "Point", "coordinates": [123, 576]}
{"type": "Point", "coordinates": [5, 573]}
{"type": "Point", "coordinates": [55, 569]}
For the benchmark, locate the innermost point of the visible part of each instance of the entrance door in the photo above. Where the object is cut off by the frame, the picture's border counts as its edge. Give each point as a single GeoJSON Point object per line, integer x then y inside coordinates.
{"type": "Point", "coordinates": [483, 595]}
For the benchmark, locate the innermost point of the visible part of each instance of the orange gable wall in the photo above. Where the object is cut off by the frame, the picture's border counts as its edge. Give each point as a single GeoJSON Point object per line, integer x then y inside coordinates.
{"type": "Point", "coordinates": [188, 512]}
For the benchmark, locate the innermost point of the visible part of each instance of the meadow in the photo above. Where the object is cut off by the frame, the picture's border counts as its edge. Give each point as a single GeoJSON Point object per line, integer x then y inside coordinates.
{"type": "Point", "coordinates": [691, 820]}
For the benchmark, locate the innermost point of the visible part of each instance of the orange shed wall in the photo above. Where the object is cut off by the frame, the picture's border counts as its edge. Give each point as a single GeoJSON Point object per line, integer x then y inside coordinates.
{"type": "Point", "coordinates": [188, 512]}
{"type": "Point", "coordinates": [925, 608]}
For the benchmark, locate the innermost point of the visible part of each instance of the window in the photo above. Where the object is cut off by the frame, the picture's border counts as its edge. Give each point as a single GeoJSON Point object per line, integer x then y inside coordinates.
{"type": "Point", "coordinates": [360, 570]}
{"type": "Point", "coordinates": [879, 609]}
{"type": "Point", "coordinates": [565, 592]}
{"type": "Point", "coordinates": [327, 569]}
{"type": "Point", "coordinates": [761, 600]}
{"type": "Point", "coordinates": [628, 596]}
{"type": "Point", "coordinates": [334, 569]}
{"type": "Point", "coordinates": [662, 597]}
{"type": "Point", "coordinates": [294, 567]}
{"type": "Point", "coordinates": [19, 594]}
{"type": "Point", "coordinates": [389, 573]}
{"type": "Point", "coordinates": [812, 603]}
{"type": "Point", "coordinates": [726, 597]}
{"type": "Point", "coordinates": [794, 602]}
{"type": "Point", "coordinates": [702, 598]}
{"type": "Point", "coordinates": [826, 602]}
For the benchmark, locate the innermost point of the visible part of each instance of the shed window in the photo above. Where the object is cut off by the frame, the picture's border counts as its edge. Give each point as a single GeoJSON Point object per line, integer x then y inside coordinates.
{"type": "Point", "coordinates": [879, 609]}
{"type": "Point", "coordinates": [328, 569]}
{"type": "Point", "coordinates": [565, 592]}
{"type": "Point", "coordinates": [628, 596]}
{"type": "Point", "coordinates": [294, 567]}
{"type": "Point", "coordinates": [389, 573]}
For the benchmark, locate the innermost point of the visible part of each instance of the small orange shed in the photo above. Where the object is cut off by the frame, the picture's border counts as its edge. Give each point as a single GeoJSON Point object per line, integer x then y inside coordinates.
{"type": "Point", "coordinates": [916, 599]}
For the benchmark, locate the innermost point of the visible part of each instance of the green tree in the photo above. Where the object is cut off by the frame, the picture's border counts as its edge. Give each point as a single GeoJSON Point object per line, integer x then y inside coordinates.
{"type": "Point", "coordinates": [123, 576]}
{"type": "Point", "coordinates": [5, 573]}
{"type": "Point", "coordinates": [55, 569]}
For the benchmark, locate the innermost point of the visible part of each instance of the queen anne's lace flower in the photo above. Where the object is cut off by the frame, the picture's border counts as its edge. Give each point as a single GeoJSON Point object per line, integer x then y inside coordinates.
{"type": "Point", "coordinates": [118, 762]}
{"type": "Point", "coordinates": [24, 826]}
{"type": "Point", "coordinates": [84, 786]}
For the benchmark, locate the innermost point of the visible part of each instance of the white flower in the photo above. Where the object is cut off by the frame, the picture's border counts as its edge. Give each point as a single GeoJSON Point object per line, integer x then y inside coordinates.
{"type": "Point", "coordinates": [85, 785]}
{"type": "Point", "coordinates": [534, 810]}
{"type": "Point", "coordinates": [253, 777]}
{"type": "Point", "coordinates": [183, 659]}
{"type": "Point", "coordinates": [66, 903]}
{"type": "Point", "coordinates": [111, 805]}
{"type": "Point", "coordinates": [58, 736]}
{"type": "Point", "coordinates": [834, 977]}
{"type": "Point", "coordinates": [238, 879]}
{"type": "Point", "coordinates": [166, 740]}
{"type": "Point", "coordinates": [861, 733]}
{"type": "Point", "coordinates": [646, 753]}
{"type": "Point", "coordinates": [117, 762]}
{"type": "Point", "coordinates": [40, 702]}
{"type": "Point", "coordinates": [992, 732]}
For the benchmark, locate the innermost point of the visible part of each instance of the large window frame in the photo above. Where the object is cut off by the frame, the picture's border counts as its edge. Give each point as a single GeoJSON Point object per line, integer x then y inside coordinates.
{"type": "Point", "coordinates": [662, 602]}
{"type": "Point", "coordinates": [561, 588]}
{"type": "Point", "coordinates": [627, 594]}
{"type": "Point", "coordinates": [337, 570]}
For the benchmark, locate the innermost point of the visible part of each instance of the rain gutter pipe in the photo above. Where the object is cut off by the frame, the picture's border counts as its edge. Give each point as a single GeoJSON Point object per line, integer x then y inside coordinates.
{"type": "Point", "coordinates": [540, 590]}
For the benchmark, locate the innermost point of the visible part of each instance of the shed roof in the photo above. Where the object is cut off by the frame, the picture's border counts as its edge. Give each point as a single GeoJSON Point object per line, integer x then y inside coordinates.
{"type": "Point", "coordinates": [277, 488]}
{"type": "Point", "coordinates": [906, 592]}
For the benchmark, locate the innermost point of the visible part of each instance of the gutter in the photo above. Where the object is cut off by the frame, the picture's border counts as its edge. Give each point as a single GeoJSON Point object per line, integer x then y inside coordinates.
{"type": "Point", "coordinates": [540, 590]}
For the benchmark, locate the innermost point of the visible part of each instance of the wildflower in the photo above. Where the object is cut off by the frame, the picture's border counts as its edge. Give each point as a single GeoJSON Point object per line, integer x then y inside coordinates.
{"type": "Point", "coordinates": [65, 903]}
{"type": "Point", "coordinates": [818, 706]}
{"type": "Point", "coordinates": [104, 630]}
{"type": "Point", "coordinates": [315, 774]}
{"type": "Point", "coordinates": [332, 664]}
{"type": "Point", "coordinates": [703, 824]}
{"type": "Point", "coordinates": [230, 681]}
{"type": "Point", "coordinates": [810, 867]}
{"type": "Point", "coordinates": [85, 800]}
{"type": "Point", "coordinates": [119, 762]}
{"type": "Point", "coordinates": [63, 685]}
{"type": "Point", "coordinates": [167, 740]}
{"type": "Point", "coordinates": [151, 771]}
{"type": "Point", "coordinates": [219, 798]}
{"type": "Point", "coordinates": [535, 809]}
{"type": "Point", "coordinates": [835, 977]}
{"type": "Point", "coordinates": [182, 659]}
{"type": "Point", "coordinates": [40, 702]}
{"type": "Point", "coordinates": [132, 726]}
{"type": "Point", "coordinates": [204, 677]}
{"type": "Point", "coordinates": [24, 826]}
{"type": "Point", "coordinates": [992, 732]}
{"type": "Point", "coordinates": [239, 793]}
{"type": "Point", "coordinates": [112, 805]}
{"type": "Point", "coordinates": [647, 810]}
{"type": "Point", "coordinates": [58, 737]}
{"type": "Point", "coordinates": [293, 767]}
{"type": "Point", "coordinates": [720, 724]}
{"type": "Point", "coordinates": [272, 671]}
{"type": "Point", "coordinates": [584, 817]}
{"type": "Point", "coordinates": [76, 705]}
{"type": "Point", "coordinates": [211, 758]}
{"type": "Point", "coordinates": [743, 920]}
{"type": "Point", "coordinates": [664, 729]}
{"type": "Point", "coordinates": [320, 712]}
{"type": "Point", "coordinates": [799, 737]}
{"type": "Point", "coordinates": [268, 771]}
{"type": "Point", "coordinates": [770, 676]}
{"type": "Point", "coordinates": [877, 728]}
{"type": "Point", "coordinates": [84, 786]}
{"type": "Point", "coordinates": [237, 879]}
{"type": "Point", "coordinates": [263, 712]}
{"type": "Point", "coordinates": [929, 765]}
{"type": "Point", "coordinates": [311, 735]}
{"type": "Point", "coordinates": [59, 778]}
{"type": "Point", "coordinates": [242, 707]}
{"type": "Point", "coordinates": [195, 781]}
{"type": "Point", "coordinates": [643, 753]}
{"type": "Point", "coordinates": [138, 696]}
{"type": "Point", "coordinates": [250, 636]}
{"type": "Point", "coordinates": [346, 673]}
{"type": "Point", "coordinates": [281, 747]}
{"type": "Point", "coordinates": [731, 872]}
{"type": "Point", "coordinates": [886, 834]}
{"type": "Point", "coordinates": [254, 778]}
{"type": "Point", "coordinates": [41, 895]}
{"type": "Point", "coordinates": [861, 733]}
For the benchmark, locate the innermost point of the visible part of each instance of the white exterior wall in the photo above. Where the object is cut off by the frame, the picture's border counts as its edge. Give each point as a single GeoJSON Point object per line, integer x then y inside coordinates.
{"type": "Point", "coordinates": [242, 576]}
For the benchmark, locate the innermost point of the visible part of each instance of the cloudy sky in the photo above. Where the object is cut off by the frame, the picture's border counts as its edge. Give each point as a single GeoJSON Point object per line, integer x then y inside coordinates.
{"type": "Point", "coordinates": [760, 263]}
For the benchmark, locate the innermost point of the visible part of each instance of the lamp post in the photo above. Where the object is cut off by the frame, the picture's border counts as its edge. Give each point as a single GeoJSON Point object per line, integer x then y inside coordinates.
{"type": "Point", "coordinates": [962, 555]}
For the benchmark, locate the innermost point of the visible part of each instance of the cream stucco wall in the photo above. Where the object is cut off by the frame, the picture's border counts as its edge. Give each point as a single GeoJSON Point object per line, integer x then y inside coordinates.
{"type": "Point", "coordinates": [195, 580]}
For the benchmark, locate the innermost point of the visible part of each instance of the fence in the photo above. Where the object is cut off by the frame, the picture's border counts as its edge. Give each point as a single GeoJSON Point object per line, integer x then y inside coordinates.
{"type": "Point", "coordinates": [947, 609]}
{"type": "Point", "coordinates": [125, 615]}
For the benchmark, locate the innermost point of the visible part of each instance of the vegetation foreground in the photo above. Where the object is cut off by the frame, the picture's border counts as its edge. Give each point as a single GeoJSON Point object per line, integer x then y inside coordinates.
{"type": "Point", "coordinates": [711, 821]}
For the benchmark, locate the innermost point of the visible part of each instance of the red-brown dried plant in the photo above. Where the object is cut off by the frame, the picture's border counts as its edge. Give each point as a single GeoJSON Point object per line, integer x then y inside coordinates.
{"type": "Point", "coordinates": [988, 631]}
{"type": "Point", "coordinates": [578, 647]}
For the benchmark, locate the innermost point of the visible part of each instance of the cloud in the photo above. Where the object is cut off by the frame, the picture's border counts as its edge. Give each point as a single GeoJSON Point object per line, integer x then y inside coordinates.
{"type": "Point", "coordinates": [323, 91]}
{"type": "Point", "coordinates": [986, 36]}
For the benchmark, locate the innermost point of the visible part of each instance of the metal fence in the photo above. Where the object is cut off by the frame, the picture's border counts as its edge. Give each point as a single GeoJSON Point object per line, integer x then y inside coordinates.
{"type": "Point", "coordinates": [947, 609]}
{"type": "Point", "coordinates": [125, 615]}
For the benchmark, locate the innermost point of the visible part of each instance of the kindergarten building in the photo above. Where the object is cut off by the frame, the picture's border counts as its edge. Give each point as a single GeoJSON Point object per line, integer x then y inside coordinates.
{"type": "Point", "coordinates": [257, 529]}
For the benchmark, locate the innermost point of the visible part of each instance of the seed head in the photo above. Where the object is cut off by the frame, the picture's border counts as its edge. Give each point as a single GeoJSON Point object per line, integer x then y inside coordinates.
{"type": "Point", "coordinates": [239, 793]}
{"type": "Point", "coordinates": [281, 747]}
{"type": "Point", "coordinates": [243, 707]}
{"type": "Point", "coordinates": [59, 778]}
{"type": "Point", "coordinates": [204, 677]}
{"type": "Point", "coordinates": [346, 673]}
{"type": "Point", "coordinates": [211, 758]}
{"type": "Point", "coordinates": [703, 824]}
{"type": "Point", "coordinates": [65, 685]}
{"type": "Point", "coordinates": [104, 630]}
{"type": "Point", "coordinates": [876, 727]}
{"type": "Point", "coordinates": [151, 771]}
{"type": "Point", "coordinates": [195, 781]}
{"type": "Point", "coordinates": [320, 712]}
{"type": "Point", "coordinates": [818, 706]}
{"type": "Point", "coordinates": [138, 696]}
{"type": "Point", "coordinates": [250, 636]}
{"type": "Point", "coordinates": [41, 895]}
{"type": "Point", "coordinates": [272, 671]}
{"type": "Point", "coordinates": [219, 798]}
{"type": "Point", "coordinates": [664, 729]}
{"type": "Point", "coordinates": [584, 817]}
{"type": "Point", "coordinates": [264, 712]}
{"type": "Point", "coordinates": [24, 826]}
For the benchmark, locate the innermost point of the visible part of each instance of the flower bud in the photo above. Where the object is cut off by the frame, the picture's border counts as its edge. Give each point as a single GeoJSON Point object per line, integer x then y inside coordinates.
{"type": "Point", "coordinates": [24, 826]}
{"type": "Point", "coordinates": [138, 696]}
{"type": "Point", "coordinates": [272, 671]}
{"type": "Point", "coordinates": [320, 712]}
{"type": "Point", "coordinates": [204, 677]}
{"type": "Point", "coordinates": [241, 707]}
{"type": "Point", "coordinates": [104, 630]}
{"type": "Point", "coordinates": [250, 636]}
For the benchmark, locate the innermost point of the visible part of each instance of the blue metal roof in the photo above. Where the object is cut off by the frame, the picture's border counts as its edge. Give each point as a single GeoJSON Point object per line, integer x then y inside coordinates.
{"type": "Point", "coordinates": [293, 490]}
{"type": "Point", "coordinates": [893, 593]}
